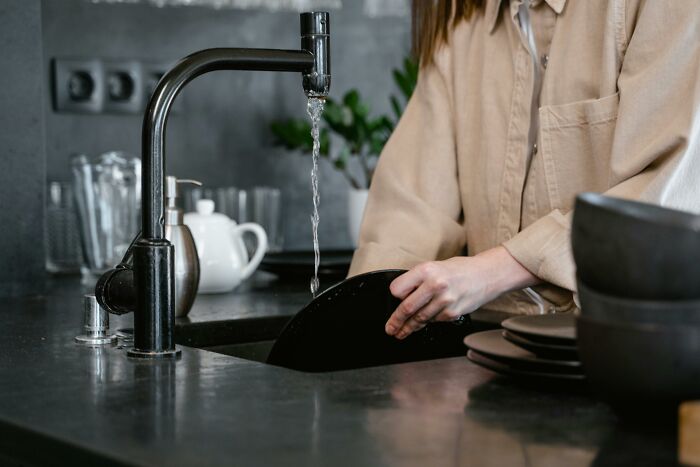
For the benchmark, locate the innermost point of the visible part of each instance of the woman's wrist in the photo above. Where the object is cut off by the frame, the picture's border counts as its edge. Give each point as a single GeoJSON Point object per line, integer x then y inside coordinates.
{"type": "Point", "coordinates": [508, 273]}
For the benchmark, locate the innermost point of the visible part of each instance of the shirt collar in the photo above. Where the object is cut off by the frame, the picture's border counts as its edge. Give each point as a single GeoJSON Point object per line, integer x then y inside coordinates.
{"type": "Point", "coordinates": [493, 8]}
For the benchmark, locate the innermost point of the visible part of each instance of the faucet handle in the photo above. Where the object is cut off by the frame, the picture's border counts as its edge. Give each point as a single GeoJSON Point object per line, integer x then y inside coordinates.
{"type": "Point", "coordinates": [95, 324]}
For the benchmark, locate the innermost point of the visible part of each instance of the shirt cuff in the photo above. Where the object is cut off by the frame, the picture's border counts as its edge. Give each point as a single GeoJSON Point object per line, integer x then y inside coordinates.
{"type": "Point", "coordinates": [544, 249]}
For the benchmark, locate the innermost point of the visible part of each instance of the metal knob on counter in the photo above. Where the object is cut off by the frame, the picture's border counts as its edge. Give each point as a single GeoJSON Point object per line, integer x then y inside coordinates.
{"type": "Point", "coordinates": [95, 324]}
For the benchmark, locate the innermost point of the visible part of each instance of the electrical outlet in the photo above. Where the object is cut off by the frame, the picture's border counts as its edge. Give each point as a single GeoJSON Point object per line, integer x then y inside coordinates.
{"type": "Point", "coordinates": [78, 86]}
{"type": "Point", "coordinates": [123, 90]}
{"type": "Point", "coordinates": [109, 86]}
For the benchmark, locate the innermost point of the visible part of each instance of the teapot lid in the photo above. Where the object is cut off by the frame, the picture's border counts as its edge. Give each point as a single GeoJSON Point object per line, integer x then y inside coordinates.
{"type": "Point", "coordinates": [205, 206]}
{"type": "Point", "coordinates": [205, 214]}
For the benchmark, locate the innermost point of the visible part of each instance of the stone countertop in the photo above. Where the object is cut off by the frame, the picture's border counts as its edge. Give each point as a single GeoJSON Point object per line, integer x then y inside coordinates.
{"type": "Point", "coordinates": [61, 403]}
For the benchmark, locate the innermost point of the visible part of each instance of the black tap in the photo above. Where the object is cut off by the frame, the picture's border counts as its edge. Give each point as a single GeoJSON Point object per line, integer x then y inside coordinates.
{"type": "Point", "coordinates": [143, 281]}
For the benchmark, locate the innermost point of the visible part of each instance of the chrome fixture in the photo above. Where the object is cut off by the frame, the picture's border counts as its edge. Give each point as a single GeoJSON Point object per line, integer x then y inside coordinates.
{"type": "Point", "coordinates": [144, 281]}
{"type": "Point", "coordinates": [95, 324]}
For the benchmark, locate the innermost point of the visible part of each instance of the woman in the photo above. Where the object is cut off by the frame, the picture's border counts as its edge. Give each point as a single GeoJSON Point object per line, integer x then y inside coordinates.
{"type": "Point", "coordinates": [520, 105]}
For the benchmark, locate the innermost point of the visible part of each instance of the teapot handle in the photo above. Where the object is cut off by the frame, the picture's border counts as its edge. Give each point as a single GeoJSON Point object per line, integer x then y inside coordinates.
{"type": "Point", "coordinates": [260, 250]}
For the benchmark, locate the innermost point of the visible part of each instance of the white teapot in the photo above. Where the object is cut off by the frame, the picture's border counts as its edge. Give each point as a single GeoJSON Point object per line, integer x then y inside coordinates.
{"type": "Point", "coordinates": [223, 258]}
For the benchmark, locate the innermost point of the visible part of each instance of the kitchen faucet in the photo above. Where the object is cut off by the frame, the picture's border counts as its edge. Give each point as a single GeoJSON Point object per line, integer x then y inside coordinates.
{"type": "Point", "coordinates": [144, 281]}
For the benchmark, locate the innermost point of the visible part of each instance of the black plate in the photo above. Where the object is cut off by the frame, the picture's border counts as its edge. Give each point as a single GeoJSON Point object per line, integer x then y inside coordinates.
{"type": "Point", "coordinates": [555, 352]}
{"type": "Point", "coordinates": [289, 264]}
{"type": "Point", "coordinates": [556, 329]}
{"type": "Point", "coordinates": [343, 328]}
{"type": "Point", "coordinates": [491, 344]}
{"type": "Point", "coordinates": [504, 369]}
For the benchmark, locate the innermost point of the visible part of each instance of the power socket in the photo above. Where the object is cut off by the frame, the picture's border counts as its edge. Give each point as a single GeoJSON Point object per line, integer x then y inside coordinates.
{"type": "Point", "coordinates": [123, 90]}
{"type": "Point", "coordinates": [106, 86]}
{"type": "Point", "coordinates": [78, 85]}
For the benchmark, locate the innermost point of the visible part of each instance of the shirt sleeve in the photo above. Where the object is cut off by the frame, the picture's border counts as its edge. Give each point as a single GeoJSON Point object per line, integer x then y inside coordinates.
{"type": "Point", "coordinates": [413, 212]}
{"type": "Point", "coordinates": [656, 146]}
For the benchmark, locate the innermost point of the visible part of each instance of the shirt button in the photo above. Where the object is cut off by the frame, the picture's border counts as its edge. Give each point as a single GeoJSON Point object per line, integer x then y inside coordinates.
{"type": "Point", "coordinates": [545, 60]}
{"type": "Point", "coordinates": [534, 149]}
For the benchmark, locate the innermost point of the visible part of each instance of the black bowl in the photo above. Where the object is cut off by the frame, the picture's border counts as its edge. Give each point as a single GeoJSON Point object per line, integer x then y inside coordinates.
{"type": "Point", "coordinates": [603, 307]}
{"type": "Point", "coordinates": [640, 368]}
{"type": "Point", "coordinates": [636, 250]}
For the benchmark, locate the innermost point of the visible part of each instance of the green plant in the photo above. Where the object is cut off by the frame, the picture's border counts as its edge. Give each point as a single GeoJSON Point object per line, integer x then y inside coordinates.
{"type": "Point", "coordinates": [362, 135]}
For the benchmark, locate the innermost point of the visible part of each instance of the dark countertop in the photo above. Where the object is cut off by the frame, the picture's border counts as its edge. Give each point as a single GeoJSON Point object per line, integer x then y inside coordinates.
{"type": "Point", "coordinates": [63, 403]}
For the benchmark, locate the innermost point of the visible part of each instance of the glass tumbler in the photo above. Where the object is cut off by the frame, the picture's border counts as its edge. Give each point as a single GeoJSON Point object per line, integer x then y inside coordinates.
{"type": "Point", "coordinates": [227, 200]}
{"type": "Point", "coordinates": [108, 199]}
{"type": "Point", "coordinates": [260, 204]}
{"type": "Point", "coordinates": [62, 238]}
{"type": "Point", "coordinates": [264, 208]}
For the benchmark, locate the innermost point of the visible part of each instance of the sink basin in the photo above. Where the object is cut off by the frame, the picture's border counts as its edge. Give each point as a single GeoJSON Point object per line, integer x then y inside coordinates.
{"type": "Point", "coordinates": [253, 338]}
{"type": "Point", "coordinates": [250, 338]}
{"type": "Point", "coordinates": [254, 351]}
{"type": "Point", "coordinates": [341, 329]}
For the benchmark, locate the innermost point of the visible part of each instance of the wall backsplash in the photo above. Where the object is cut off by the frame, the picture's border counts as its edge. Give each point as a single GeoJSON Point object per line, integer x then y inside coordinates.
{"type": "Point", "coordinates": [220, 135]}
{"type": "Point", "coordinates": [21, 150]}
{"type": "Point", "coordinates": [273, 5]}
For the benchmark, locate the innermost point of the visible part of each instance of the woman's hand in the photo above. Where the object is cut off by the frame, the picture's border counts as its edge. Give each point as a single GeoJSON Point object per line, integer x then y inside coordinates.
{"type": "Point", "coordinates": [446, 290]}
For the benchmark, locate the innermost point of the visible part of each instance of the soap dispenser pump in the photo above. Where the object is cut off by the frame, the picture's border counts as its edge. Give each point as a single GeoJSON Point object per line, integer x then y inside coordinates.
{"type": "Point", "coordinates": [186, 259]}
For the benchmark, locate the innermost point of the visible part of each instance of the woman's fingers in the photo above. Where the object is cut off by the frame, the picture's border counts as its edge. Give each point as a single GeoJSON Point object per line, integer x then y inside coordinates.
{"type": "Point", "coordinates": [455, 310]}
{"type": "Point", "coordinates": [408, 307]}
{"type": "Point", "coordinates": [423, 290]}
{"type": "Point", "coordinates": [448, 314]}
{"type": "Point", "coordinates": [406, 283]}
{"type": "Point", "coordinates": [423, 316]}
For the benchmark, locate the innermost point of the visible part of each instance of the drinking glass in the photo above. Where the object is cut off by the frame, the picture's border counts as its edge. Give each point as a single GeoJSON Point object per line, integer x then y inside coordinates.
{"type": "Point", "coordinates": [62, 238]}
{"type": "Point", "coordinates": [108, 198]}
{"type": "Point", "coordinates": [264, 208]}
{"type": "Point", "coordinates": [260, 204]}
{"type": "Point", "coordinates": [227, 200]}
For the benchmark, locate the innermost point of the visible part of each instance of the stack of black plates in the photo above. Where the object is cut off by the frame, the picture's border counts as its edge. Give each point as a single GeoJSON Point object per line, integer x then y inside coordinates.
{"type": "Point", "coordinates": [536, 347]}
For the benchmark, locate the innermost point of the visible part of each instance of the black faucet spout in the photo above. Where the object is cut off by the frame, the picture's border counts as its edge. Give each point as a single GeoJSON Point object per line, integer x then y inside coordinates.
{"type": "Point", "coordinates": [151, 256]}
{"type": "Point", "coordinates": [316, 38]}
{"type": "Point", "coordinates": [155, 120]}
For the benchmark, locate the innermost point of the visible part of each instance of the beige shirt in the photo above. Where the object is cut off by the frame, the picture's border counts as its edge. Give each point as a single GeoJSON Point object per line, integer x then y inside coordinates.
{"type": "Point", "coordinates": [619, 113]}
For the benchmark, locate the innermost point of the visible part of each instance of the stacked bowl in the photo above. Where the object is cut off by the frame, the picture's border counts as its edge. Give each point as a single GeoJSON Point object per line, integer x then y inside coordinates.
{"type": "Point", "coordinates": [638, 268]}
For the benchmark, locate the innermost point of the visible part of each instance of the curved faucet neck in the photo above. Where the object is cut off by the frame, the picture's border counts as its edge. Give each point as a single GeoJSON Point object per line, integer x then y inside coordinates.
{"type": "Point", "coordinates": [155, 119]}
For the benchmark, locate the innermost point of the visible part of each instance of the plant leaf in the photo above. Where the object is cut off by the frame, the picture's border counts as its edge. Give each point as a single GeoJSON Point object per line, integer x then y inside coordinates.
{"type": "Point", "coordinates": [292, 134]}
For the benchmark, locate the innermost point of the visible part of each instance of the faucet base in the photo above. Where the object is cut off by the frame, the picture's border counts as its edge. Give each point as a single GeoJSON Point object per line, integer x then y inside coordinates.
{"type": "Point", "coordinates": [154, 316]}
{"type": "Point", "coordinates": [145, 354]}
{"type": "Point", "coordinates": [96, 340]}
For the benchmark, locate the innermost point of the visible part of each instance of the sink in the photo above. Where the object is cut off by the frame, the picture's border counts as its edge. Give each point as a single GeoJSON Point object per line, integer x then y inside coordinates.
{"type": "Point", "coordinates": [249, 338]}
{"type": "Point", "coordinates": [254, 351]}
{"type": "Point", "coordinates": [253, 338]}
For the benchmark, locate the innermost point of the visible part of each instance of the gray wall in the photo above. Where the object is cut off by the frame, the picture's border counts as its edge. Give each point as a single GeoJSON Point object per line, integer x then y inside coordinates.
{"type": "Point", "coordinates": [221, 136]}
{"type": "Point", "coordinates": [23, 175]}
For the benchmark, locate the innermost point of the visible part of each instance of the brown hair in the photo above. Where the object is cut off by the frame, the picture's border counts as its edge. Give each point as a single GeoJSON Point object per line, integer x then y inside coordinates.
{"type": "Point", "coordinates": [432, 22]}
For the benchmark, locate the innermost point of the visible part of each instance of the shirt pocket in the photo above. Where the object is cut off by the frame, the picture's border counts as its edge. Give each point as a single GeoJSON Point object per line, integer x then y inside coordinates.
{"type": "Point", "coordinates": [576, 144]}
